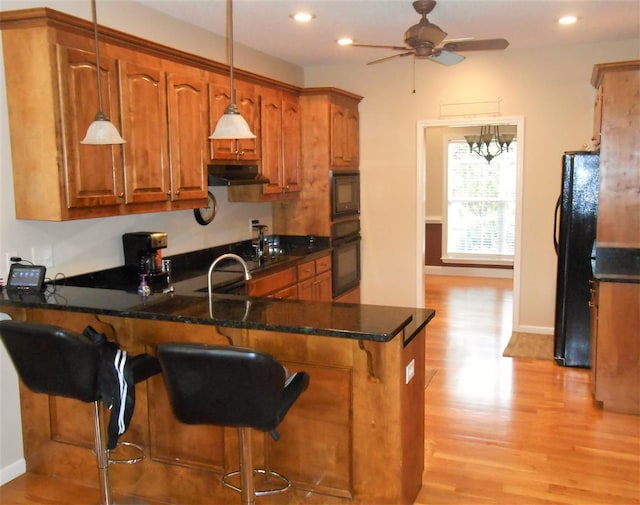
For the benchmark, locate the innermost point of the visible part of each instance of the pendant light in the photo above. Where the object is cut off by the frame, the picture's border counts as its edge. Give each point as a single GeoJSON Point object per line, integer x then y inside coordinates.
{"type": "Point", "coordinates": [231, 125]}
{"type": "Point", "coordinates": [101, 131]}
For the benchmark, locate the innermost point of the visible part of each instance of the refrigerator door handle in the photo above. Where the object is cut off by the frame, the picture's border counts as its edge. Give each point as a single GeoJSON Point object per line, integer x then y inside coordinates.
{"type": "Point", "coordinates": [556, 217]}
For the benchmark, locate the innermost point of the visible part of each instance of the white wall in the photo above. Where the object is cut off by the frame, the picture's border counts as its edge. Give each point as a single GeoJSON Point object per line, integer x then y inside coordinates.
{"type": "Point", "coordinates": [87, 245]}
{"type": "Point", "coordinates": [549, 87]}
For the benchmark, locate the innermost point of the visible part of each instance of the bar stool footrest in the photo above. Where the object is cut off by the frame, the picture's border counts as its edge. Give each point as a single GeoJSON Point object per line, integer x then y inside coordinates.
{"type": "Point", "coordinates": [281, 479]}
{"type": "Point", "coordinates": [128, 461]}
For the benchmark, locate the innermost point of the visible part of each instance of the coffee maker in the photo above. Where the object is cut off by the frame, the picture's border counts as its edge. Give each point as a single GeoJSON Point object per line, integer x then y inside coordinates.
{"type": "Point", "coordinates": [143, 255]}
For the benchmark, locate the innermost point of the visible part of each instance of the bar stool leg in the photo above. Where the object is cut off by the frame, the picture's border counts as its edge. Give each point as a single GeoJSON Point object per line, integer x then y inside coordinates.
{"type": "Point", "coordinates": [248, 495]}
{"type": "Point", "coordinates": [102, 455]}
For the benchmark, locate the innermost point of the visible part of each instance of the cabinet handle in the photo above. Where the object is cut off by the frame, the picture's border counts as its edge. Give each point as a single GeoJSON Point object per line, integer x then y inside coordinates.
{"type": "Point", "coordinates": [121, 196]}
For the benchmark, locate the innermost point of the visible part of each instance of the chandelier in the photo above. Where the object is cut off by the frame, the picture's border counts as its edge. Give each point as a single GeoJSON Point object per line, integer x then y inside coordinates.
{"type": "Point", "coordinates": [490, 143]}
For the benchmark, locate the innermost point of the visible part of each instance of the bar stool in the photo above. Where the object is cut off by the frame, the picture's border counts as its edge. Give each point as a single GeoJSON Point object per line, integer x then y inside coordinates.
{"type": "Point", "coordinates": [231, 386]}
{"type": "Point", "coordinates": [58, 362]}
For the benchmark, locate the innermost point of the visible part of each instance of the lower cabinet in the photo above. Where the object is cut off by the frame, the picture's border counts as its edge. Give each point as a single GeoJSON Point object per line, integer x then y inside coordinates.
{"type": "Point", "coordinates": [310, 281]}
{"type": "Point", "coordinates": [314, 280]}
{"type": "Point", "coordinates": [616, 346]}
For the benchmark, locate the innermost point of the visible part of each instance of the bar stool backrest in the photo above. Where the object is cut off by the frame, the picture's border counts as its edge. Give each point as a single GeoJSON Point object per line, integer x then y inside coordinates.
{"type": "Point", "coordinates": [52, 360]}
{"type": "Point", "coordinates": [222, 385]}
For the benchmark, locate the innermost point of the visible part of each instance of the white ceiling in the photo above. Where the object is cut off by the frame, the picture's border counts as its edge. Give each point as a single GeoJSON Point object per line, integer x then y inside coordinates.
{"type": "Point", "coordinates": [265, 24]}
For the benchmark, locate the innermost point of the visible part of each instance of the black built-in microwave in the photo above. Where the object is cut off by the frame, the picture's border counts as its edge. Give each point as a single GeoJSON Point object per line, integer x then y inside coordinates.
{"type": "Point", "coordinates": [345, 194]}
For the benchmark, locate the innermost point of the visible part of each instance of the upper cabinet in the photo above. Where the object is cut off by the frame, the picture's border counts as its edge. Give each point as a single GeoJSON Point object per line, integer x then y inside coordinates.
{"type": "Point", "coordinates": [188, 109]}
{"type": "Point", "coordinates": [617, 117]}
{"type": "Point", "coordinates": [160, 107]}
{"type": "Point", "coordinates": [329, 141]}
{"type": "Point", "coordinates": [345, 134]}
{"type": "Point", "coordinates": [248, 104]}
{"type": "Point", "coordinates": [280, 148]}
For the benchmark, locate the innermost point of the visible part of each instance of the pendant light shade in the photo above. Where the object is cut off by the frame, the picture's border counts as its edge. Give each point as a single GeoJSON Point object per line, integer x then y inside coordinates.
{"type": "Point", "coordinates": [231, 125]}
{"type": "Point", "coordinates": [101, 131]}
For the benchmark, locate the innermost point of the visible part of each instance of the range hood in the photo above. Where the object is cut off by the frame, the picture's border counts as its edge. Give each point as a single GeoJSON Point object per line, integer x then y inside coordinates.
{"type": "Point", "coordinates": [234, 173]}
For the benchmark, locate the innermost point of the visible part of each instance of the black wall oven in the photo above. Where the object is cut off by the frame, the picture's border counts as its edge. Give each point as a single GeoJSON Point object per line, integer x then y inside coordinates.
{"type": "Point", "coordinates": [345, 194]}
{"type": "Point", "coordinates": [345, 262]}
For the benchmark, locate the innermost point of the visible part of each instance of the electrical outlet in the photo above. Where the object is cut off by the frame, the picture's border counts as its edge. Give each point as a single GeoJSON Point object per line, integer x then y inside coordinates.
{"type": "Point", "coordinates": [410, 371]}
{"type": "Point", "coordinates": [42, 255]}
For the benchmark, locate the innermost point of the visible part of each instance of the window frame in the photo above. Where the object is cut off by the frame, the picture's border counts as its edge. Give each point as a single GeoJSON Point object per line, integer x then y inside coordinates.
{"type": "Point", "coordinates": [470, 258]}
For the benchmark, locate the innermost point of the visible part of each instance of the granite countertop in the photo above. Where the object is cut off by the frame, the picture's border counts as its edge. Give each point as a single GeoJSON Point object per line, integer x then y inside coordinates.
{"type": "Point", "coordinates": [617, 264]}
{"type": "Point", "coordinates": [189, 303]}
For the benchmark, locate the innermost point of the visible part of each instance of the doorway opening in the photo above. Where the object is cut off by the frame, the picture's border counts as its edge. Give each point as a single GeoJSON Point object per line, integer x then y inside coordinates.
{"type": "Point", "coordinates": [433, 138]}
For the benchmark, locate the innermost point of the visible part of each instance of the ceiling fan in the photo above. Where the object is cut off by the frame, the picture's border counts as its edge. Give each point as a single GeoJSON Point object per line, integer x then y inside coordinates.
{"type": "Point", "coordinates": [422, 41]}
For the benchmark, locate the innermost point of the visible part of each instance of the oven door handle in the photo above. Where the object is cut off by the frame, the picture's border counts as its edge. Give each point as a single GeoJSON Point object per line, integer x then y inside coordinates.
{"type": "Point", "coordinates": [346, 240]}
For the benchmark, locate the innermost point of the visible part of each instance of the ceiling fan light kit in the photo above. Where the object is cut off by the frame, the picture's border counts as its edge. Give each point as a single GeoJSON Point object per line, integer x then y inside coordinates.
{"type": "Point", "coordinates": [423, 41]}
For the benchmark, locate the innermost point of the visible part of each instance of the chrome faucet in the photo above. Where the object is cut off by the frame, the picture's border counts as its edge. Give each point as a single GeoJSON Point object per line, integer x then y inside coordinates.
{"type": "Point", "coordinates": [228, 256]}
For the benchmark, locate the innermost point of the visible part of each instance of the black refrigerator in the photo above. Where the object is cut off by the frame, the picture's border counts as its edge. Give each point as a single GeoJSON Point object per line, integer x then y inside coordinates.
{"type": "Point", "coordinates": [574, 240]}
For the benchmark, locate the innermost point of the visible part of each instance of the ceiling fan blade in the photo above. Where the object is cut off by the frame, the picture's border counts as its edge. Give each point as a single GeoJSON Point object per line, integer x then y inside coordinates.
{"type": "Point", "coordinates": [409, 53]}
{"type": "Point", "coordinates": [379, 46]}
{"type": "Point", "coordinates": [446, 57]}
{"type": "Point", "coordinates": [476, 45]}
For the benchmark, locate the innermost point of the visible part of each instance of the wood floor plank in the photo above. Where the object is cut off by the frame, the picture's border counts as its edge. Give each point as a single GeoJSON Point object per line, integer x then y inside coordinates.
{"type": "Point", "coordinates": [497, 430]}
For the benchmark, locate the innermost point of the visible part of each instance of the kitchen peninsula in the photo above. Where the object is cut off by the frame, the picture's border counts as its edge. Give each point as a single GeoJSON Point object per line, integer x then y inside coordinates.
{"type": "Point", "coordinates": [356, 434]}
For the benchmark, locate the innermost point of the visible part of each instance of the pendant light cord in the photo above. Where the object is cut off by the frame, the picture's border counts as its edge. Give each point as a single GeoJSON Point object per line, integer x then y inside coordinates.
{"type": "Point", "coordinates": [230, 30]}
{"type": "Point", "coordinates": [95, 38]}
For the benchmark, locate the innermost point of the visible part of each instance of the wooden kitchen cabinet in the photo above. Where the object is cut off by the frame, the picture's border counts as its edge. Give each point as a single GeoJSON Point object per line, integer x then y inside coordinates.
{"type": "Point", "coordinates": [314, 279]}
{"type": "Point", "coordinates": [345, 135]}
{"type": "Point", "coordinates": [280, 148]}
{"type": "Point", "coordinates": [330, 139]}
{"type": "Point", "coordinates": [616, 369]}
{"type": "Point", "coordinates": [618, 117]}
{"type": "Point", "coordinates": [248, 103]}
{"type": "Point", "coordinates": [265, 285]}
{"type": "Point", "coordinates": [309, 280]}
{"type": "Point", "coordinates": [60, 179]}
{"type": "Point", "coordinates": [94, 176]}
{"type": "Point", "coordinates": [188, 108]}
{"type": "Point", "coordinates": [143, 95]}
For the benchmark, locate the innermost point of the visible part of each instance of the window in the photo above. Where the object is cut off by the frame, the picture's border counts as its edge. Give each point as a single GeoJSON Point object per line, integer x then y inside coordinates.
{"type": "Point", "coordinates": [481, 205]}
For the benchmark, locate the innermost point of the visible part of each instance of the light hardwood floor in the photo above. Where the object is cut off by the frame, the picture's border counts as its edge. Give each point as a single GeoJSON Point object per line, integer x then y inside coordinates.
{"type": "Point", "coordinates": [498, 430]}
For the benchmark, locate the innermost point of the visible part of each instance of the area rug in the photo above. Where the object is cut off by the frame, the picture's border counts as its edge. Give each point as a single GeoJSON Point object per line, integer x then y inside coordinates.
{"type": "Point", "coordinates": [428, 375]}
{"type": "Point", "coordinates": [529, 345]}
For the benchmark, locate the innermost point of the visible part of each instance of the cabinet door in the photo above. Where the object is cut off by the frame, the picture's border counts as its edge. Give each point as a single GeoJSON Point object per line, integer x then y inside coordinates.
{"type": "Point", "coordinates": [249, 106]}
{"type": "Point", "coordinates": [93, 173]}
{"type": "Point", "coordinates": [144, 126]}
{"type": "Point", "coordinates": [352, 138]}
{"type": "Point", "coordinates": [271, 115]}
{"type": "Point", "coordinates": [323, 287]}
{"type": "Point", "coordinates": [344, 136]}
{"type": "Point", "coordinates": [248, 103]}
{"type": "Point", "coordinates": [219, 98]}
{"type": "Point", "coordinates": [306, 290]}
{"type": "Point", "coordinates": [188, 125]}
{"type": "Point", "coordinates": [338, 132]}
{"type": "Point", "coordinates": [291, 141]}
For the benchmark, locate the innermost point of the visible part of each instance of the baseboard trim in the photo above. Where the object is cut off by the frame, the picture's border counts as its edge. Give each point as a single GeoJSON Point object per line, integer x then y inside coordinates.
{"type": "Point", "coordinates": [543, 330]}
{"type": "Point", "coordinates": [502, 273]}
{"type": "Point", "coordinates": [10, 472]}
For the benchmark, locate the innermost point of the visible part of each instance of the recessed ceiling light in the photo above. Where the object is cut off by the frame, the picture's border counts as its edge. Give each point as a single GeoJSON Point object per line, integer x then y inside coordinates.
{"type": "Point", "coordinates": [567, 20]}
{"type": "Point", "coordinates": [345, 41]}
{"type": "Point", "coordinates": [302, 17]}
